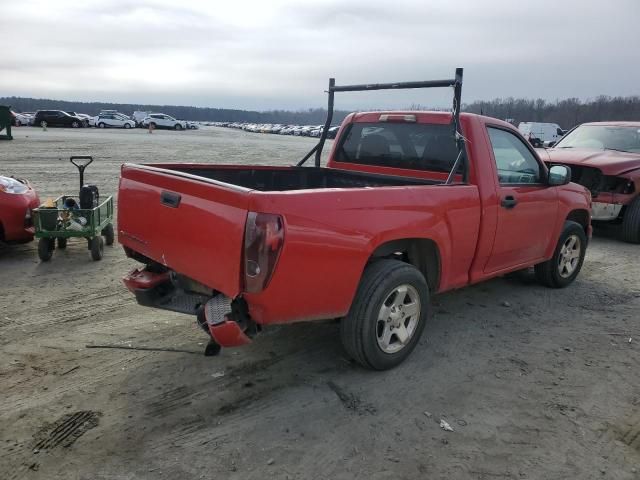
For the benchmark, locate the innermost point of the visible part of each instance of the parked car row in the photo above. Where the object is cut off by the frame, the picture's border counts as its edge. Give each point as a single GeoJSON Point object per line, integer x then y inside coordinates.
{"type": "Point", "coordinates": [297, 130]}
{"type": "Point", "coordinates": [105, 119]}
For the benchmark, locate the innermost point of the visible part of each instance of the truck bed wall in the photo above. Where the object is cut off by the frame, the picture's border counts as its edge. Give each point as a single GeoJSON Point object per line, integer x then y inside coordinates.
{"type": "Point", "coordinates": [295, 178]}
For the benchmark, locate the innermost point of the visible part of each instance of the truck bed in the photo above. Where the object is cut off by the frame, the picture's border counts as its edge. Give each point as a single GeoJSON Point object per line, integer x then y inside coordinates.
{"type": "Point", "coordinates": [279, 179]}
{"type": "Point", "coordinates": [161, 205]}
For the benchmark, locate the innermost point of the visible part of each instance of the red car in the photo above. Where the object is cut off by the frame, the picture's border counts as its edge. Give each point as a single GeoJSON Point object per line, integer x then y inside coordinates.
{"type": "Point", "coordinates": [605, 158]}
{"type": "Point", "coordinates": [17, 199]}
{"type": "Point", "coordinates": [410, 204]}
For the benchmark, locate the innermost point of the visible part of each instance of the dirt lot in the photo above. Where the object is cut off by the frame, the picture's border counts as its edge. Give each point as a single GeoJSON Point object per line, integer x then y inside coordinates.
{"type": "Point", "coordinates": [535, 383]}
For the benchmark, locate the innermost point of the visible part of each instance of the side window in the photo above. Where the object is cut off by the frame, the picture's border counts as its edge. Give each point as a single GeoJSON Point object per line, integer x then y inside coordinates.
{"type": "Point", "coordinates": [516, 164]}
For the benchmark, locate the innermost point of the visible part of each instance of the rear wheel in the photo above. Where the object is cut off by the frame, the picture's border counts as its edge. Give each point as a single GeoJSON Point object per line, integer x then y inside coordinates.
{"type": "Point", "coordinates": [75, 124]}
{"type": "Point", "coordinates": [45, 248]}
{"type": "Point", "coordinates": [62, 243]}
{"type": "Point", "coordinates": [101, 125]}
{"type": "Point", "coordinates": [126, 125]}
{"type": "Point", "coordinates": [563, 268]}
{"type": "Point", "coordinates": [96, 245]}
{"type": "Point", "coordinates": [387, 316]}
{"type": "Point", "coordinates": [107, 233]}
{"type": "Point", "coordinates": [631, 222]}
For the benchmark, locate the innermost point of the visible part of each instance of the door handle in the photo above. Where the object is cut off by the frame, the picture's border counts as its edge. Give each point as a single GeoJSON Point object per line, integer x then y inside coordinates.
{"type": "Point", "coordinates": [170, 199]}
{"type": "Point", "coordinates": [509, 202]}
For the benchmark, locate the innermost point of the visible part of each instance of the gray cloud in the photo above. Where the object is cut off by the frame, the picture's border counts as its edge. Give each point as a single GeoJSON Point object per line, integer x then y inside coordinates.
{"type": "Point", "coordinates": [279, 54]}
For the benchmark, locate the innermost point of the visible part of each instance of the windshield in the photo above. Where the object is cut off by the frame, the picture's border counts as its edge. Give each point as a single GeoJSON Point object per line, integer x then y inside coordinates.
{"type": "Point", "coordinates": [400, 145]}
{"type": "Point", "coordinates": [602, 137]}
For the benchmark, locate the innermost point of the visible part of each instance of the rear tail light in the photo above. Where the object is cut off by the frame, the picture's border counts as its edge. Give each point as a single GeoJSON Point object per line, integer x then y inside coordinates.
{"type": "Point", "coordinates": [263, 240]}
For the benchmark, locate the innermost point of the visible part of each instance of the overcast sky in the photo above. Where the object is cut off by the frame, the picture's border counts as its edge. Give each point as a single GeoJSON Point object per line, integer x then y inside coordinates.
{"type": "Point", "coordinates": [273, 54]}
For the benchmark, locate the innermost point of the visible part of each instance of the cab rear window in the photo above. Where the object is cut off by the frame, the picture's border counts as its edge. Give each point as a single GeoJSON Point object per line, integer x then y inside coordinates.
{"type": "Point", "coordinates": [412, 146]}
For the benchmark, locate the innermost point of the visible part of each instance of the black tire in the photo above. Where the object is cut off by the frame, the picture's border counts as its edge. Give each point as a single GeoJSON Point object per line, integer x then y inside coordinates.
{"type": "Point", "coordinates": [107, 233]}
{"type": "Point", "coordinates": [359, 330]}
{"type": "Point", "coordinates": [45, 248]}
{"type": "Point", "coordinates": [126, 126]}
{"type": "Point", "coordinates": [178, 126]}
{"type": "Point", "coordinates": [101, 125]}
{"type": "Point", "coordinates": [97, 247]}
{"type": "Point", "coordinates": [75, 124]}
{"type": "Point", "coordinates": [631, 222]}
{"type": "Point", "coordinates": [62, 243]}
{"type": "Point", "coordinates": [549, 273]}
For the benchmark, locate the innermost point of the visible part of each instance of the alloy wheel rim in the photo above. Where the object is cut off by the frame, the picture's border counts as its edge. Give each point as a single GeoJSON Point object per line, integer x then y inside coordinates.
{"type": "Point", "coordinates": [398, 318]}
{"type": "Point", "coordinates": [569, 256]}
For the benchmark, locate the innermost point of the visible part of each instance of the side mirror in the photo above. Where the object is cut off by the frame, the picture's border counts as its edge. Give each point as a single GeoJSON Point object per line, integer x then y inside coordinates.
{"type": "Point", "coordinates": [559, 175]}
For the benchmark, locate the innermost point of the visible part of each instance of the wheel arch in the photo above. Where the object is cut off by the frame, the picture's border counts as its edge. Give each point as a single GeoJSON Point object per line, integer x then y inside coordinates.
{"type": "Point", "coordinates": [580, 216]}
{"type": "Point", "coordinates": [422, 253]}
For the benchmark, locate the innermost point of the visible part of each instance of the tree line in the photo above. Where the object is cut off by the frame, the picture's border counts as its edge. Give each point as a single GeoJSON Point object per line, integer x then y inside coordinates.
{"type": "Point", "coordinates": [311, 116]}
{"type": "Point", "coordinates": [566, 113]}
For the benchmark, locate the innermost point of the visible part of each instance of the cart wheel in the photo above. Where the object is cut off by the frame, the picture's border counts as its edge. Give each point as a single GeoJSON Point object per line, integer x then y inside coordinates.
{"type": "Point", "coordinates": [62, 243]}
{"type": "Point", "coordinates": [97, 247]}
{"type": "Point", "coordinates": [107, 232]}
{"type": "Point", "coordinates": [45, 248]}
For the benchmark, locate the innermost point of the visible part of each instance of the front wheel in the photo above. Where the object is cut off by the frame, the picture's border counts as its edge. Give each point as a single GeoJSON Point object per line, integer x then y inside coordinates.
{"type": "Point", "coordinates": [631, 222]}
{"type": "Point", "coordinates": [75, 124]}
{"type": "Point", "coordinates": [565, 264]}
{"type": "Point", "coordinates": [126, 125]}
{"type": "Point", "coordinates": [101, 125]}
{"type": "Point", "coordinates": [45, 248]}
{"type": "Point", "coordinates": [178, 126]}
{"type": "Point", "coordinates": [387, 316]}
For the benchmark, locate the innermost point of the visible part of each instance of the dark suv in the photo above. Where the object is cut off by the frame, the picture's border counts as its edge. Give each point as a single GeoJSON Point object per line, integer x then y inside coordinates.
{"type": "Point", "coordinates": [58, 118]}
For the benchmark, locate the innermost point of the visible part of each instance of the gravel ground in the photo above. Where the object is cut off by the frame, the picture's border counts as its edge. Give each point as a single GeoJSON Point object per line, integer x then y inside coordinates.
{"type": "Point", "coordinates": [535, 383]}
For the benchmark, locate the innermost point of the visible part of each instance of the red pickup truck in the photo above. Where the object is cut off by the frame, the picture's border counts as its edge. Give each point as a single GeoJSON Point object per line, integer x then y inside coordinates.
{"type": "Point", "coordinates": [410, 204]}
{"type": "Point", "coordinates": [605, 158]}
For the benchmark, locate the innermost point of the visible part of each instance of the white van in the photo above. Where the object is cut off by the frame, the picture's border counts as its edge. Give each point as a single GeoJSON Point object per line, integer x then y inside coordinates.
{"type": "Point", "coordinates": [540, 134]}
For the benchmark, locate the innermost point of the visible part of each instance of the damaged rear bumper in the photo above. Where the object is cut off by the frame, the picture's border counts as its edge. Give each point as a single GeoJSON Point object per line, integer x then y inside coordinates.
{"type": "Point", "coordinates": [227, 319]}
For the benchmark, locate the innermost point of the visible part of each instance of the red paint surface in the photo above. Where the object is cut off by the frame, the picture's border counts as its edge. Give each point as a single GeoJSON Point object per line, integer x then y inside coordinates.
{"type": "Point", "coordinates": [12, 212]}
{"type": "Point", "coordinates": [228, 334]}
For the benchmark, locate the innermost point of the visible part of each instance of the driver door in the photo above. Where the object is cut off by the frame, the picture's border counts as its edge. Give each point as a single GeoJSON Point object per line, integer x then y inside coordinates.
{"type": "Point", "coordinates": [527, 206]}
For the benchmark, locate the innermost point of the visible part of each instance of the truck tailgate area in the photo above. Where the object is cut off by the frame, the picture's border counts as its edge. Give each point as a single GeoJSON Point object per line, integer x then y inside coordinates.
{"type": "Point", "coordinates": [191, 225]}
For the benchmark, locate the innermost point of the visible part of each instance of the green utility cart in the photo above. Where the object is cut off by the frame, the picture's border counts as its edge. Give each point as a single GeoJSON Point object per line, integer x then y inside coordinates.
{"type": "Point", "coordinates": [81, 216]}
